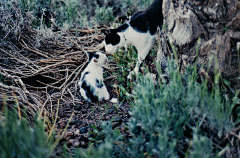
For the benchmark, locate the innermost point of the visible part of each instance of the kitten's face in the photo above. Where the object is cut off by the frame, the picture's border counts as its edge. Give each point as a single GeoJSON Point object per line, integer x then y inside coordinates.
{"type": "Point", "coordinates": [111, 41]}
{"type": "Point", "coordinates": [98, 57]}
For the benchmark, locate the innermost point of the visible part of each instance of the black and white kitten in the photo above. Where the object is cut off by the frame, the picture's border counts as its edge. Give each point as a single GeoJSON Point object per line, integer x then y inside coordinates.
{"type": "Point", "coordinates": [139, 31]}
{"type": "Point", "coordinates": [92, 87]}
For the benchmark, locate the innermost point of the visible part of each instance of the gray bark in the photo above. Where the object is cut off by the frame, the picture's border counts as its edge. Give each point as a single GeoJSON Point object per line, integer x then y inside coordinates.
{"type": "Point", "coordinates": [215, 22]}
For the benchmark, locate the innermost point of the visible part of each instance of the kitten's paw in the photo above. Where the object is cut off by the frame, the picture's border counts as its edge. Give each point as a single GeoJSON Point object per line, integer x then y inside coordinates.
{"type": "Point", "coordinates": [130, 75]}
{"type": "Point", "coordinates": [107, 96]}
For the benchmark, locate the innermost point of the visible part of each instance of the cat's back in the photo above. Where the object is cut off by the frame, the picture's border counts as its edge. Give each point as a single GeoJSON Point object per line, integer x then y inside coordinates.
{"type": "Point", "coordinates": [149, 19]}
{"type": "Point", "coordinates": [91, 73]}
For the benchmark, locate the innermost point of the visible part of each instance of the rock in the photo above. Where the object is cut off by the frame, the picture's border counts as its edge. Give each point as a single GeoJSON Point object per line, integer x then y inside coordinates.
{"type": "Point", "coordinates": [72, 122]}
{"type": "Point", "coordinates": [74, 142]}
{"type": "Point", "coordinates": [219, 47]}
{"type": "Point", "coordinates": [183, 26]}
{"type": "Point", "coordinates": [77, 132]}
{"type": "Point", "coordinates": [68, 133]}
{"type": "Point", "coordinates": [111, 110]}
{"type": "Point", "coordinates": [83, 129]}
{"type": "Point", "coordinates": [83, 144]}
{"type": "Point", "coordinates": [215, 22]}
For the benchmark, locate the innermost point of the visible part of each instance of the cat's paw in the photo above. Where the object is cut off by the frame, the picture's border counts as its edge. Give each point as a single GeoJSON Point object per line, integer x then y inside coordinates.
{"type": "Point", "coordinates": [106, 96]}
{"type": "Point", "coordinates": [130, 75]}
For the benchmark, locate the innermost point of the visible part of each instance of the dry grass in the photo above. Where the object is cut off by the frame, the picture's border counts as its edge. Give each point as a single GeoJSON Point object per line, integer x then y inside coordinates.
{"type": "Point", "coordinates": [40, 76]}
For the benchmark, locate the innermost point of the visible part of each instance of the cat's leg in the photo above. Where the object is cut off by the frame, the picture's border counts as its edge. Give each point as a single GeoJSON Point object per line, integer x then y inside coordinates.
{"type": "Point", "coordinates": [143, 47]}
{"type": "Point", "coordinates": [83, 94]}
{"type": "Point", "coordinates": [142, 53]}
{"type": "Point", "coordinates": [103, 93]}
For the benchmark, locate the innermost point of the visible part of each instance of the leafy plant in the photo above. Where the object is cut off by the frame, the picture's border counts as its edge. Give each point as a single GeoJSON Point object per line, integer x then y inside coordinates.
{"type": "Point", "coordinates": [105, 149]}
{"type": "Point", "coordinates": [104, 15]}
{"type": "Point", "coordinates": [201, 146]}
{"type": "Point", "coordinates": [126, 60]}
{"type": "Point", "coordinates": [163, 114]}
{"type": "Point", "coordinates": [19, 139]}
{"type": "Point", "coordinates": [83, 13]}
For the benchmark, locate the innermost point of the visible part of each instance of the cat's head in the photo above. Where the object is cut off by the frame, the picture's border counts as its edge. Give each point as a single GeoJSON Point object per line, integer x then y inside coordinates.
{"type": "Point", "coordinates": [112, 40]}
{"type": "Point", "coordinates": [98, 58]}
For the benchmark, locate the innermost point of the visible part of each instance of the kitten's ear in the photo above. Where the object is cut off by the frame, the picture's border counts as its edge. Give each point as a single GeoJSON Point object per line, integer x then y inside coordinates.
{"type": "Point", "coordinates": [90, 55]}
{"type": "Point", "coordinates": [114, 31]}
{"type": "Point", "coordinates": [106, 31]}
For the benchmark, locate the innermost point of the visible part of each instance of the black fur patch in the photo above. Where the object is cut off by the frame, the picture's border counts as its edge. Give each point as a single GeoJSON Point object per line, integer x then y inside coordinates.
{"type": "Point", "coordinates": [140, 24]}
{"type": "Point", "coordinates": [96, 56]}
{"type": "Point", "coordinates": [99, 84]}
{"type": "Point", "coordinates": [148, 19]}
{"type": "Point", "coordinates": [89, 92]}
{"type": "Point", "coordinates": [90, 56]}
{"type": "Point", "coordinates": [112, 38]}
{"type": "Point", "coordinates": [122, 28]}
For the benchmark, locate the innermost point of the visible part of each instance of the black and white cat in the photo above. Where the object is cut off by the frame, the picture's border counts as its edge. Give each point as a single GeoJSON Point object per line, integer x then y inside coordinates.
{"type": "Point", "coordinates": [139, 31]}
{"type": "Point", "coordinates": [92, 87]}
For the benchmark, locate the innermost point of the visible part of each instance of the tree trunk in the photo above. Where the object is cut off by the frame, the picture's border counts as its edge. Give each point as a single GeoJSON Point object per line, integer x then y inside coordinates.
{"type": "Point", "coordinates": [215, 22]}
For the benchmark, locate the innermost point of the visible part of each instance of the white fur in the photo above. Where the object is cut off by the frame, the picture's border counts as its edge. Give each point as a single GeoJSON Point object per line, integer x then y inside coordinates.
{"type": "Point", "coordinates": [95, 72]}
{"type": "Point", "coordinates": [95, 69]}
{"type": "Point", "coordinates": [141, 41]}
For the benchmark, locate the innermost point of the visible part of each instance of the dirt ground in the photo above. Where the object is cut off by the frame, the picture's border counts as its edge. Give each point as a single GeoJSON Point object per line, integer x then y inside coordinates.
{"type": "Point", "coordinates": [45, 79]}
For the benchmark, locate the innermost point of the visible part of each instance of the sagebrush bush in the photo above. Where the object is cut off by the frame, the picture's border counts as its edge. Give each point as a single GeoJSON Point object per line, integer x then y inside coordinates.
{"type": "Point", "coordinates": [125, 61]}
{"type": "Point", "coordinates": [163, 114]}
{"type": "Point", "coordinates": [19, 139]}
{"type": "Point", "coordinates": [201, 146]}
{"type": "Point", "coordinates": [12, 22]}
{"type": "Point", "coordinates": [82, 13]}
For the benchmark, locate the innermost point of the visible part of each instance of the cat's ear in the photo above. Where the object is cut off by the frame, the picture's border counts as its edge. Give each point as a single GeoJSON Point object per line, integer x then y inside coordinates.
{"type": "Point", "coordinates": [90, 55]}
{"type": "Point", "coordinates": [106, 31]}
{"type": "Point", "coordinates": [114, 31]}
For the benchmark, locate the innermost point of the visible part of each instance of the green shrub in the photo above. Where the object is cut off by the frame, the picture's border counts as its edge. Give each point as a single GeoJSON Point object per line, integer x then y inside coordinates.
{"type": "Point", "coordinates": [104, 15]}
{"type": "Point", "coordinates": [12, 22]}
{"type": "Point", "coordinates": [126, 60]}
{"type": "Point", "coordinates": [19, 139]}
{"type": "Point", "coordinates": [112, 139]}
{"type": "Point", "coordinates": [201, 146]}
{"type": "Point", "coordinates": [163, 114]}
{"type": "Point", "coordinates": [82, 13]}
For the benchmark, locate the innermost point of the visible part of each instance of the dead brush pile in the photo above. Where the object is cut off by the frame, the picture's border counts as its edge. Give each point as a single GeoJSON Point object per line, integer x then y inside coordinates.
{"type": "Point", "coordinates": [33, 75]}
{"type": "Point", "coordinates": [39, 71]}
{"type": "Point", "coordinates": [45, 79]}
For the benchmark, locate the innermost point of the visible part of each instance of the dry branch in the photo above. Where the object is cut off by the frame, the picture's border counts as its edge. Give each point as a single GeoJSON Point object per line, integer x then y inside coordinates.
{"type": "Point", "coordinates": [41, 76]}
